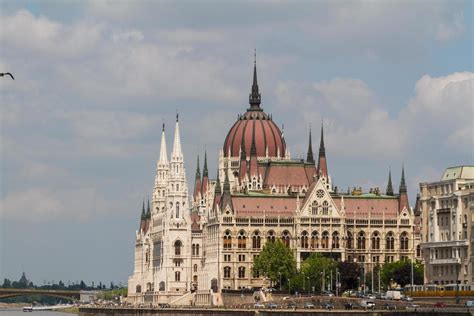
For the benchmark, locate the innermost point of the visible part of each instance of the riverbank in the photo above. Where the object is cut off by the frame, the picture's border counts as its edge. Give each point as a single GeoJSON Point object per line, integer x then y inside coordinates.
{"type": "Point", "coordinates": [11, 305]}
{"type": "Point", "coordinates": [69, 310]}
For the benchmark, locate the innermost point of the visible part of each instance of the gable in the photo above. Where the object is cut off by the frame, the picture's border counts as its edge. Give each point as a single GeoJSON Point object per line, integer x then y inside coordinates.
{"type": "Point", "coordinates": [318, 201]}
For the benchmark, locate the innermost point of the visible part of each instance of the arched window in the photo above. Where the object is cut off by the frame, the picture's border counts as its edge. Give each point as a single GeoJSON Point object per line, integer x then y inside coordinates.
{"type": "Point", "coordinates": [404, 241]}
{"type": "Point", "coordinates": [148, 287]}
{"type": "Point", "coordinates": [177, 209]}
{"type": "Point", "coordinates": [314, 208]}
{"type": "Point", "coordinates": [285, 237]}
{"type": "Point", "coordinates": [177, 247]}
{"type": "Point", "coordinates": [314, 240]}
{"type": "Point", "coordinates": [195, 278]}
{"type": "Point", "coordinates": [349, 241]}
{"type": "Point", "coordinates": [325, 208]}
{"type": "Point", "coordinates": [241, 272]}
{"type": "Point", "coordinates": [304, 239]}
{"type": "Point", "coordinates": [227, 240]}
{"type": "Point", "coordinates": [162, 286]}
{"type": "Point", "coordinates": [390, 241]}
{"type": "Point", "coordinates": [226, 272]}
{"type": "Point", "coordinates": [193, 247]}
{"type": "Point", "coordinates": [138, 289]}
{"type": "Point", "coordinates": [335, 240]}
{"type": "Point", "coordinates": [256, 240]}
{"type": "Point", "coordinates": [325, 240]}
{"type": "Point", "coordinates": [177, 276]}
{"type": "Point", "coordinates": [195, 268]}
{"type": "Point", "coordinates": [418, 251]}
{"type": "Point", "coordinates": [361, 240]}
{"type": "Point", "coordinates": [171, 209]}
{"type": "Point", "coordinates": [242, 240]}
{"type": "Point", "coordinates": [177, 187]}
{"type": "Point", "coordinates": [197, 249]}
{"type": "Point", "coordinates": [376, 241]}
{"type": "Point", "coordinates": [271, 236]}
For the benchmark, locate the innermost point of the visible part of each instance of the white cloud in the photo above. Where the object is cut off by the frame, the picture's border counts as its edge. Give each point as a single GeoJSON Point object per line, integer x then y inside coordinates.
{"type": "Point", "coordinates": [133, 35]}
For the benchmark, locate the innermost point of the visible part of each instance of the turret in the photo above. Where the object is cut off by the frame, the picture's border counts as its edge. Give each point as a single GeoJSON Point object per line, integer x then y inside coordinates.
{"type": "Point", "coordinates": [389, 184]}
{"type": "Point", "coordinates": [197, 182]}
{"type": "Point", "coordinates": [226, 199]}
{"type": "Point", "coordinates": [402, 195]}
{"type": "Point", "coordinates": [309, 157]}
{"type": "Point", "coordinates": [205, 176]}
{"type": "Point", "coordinates": [254, 96]}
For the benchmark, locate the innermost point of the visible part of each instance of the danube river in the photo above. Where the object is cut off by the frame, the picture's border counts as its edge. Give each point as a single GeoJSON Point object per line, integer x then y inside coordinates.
{"type": "Point", "coordinates": [19, 312]}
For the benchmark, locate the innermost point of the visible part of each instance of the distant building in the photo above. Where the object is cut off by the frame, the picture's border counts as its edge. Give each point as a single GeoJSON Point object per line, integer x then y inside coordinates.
{"type": "Point", "coordinates": [189, 251]}
{"type": "Point", "coordinates": [446, 209]}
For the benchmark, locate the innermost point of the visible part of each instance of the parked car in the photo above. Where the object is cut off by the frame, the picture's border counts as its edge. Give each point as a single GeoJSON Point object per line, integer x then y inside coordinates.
{"type": "Point", "coordinates": [349, 305]}
{"type": "Point", "coordinates": [367, 304]}
{"type": "Point", "coordinates": [390, 307]}
{"type": "Point", "coordinates": [371, 297]}
{"type": "Point", "coordinates": [164, 305]}
{"type": "Point", "coordinates": [440, 305]}
{"type": "Point", "coordinates": [407, 298]}
{"type": "Point", "coordinates": [291, 305]}
{"type": "Point", "coordinates": [327, 293]}
{"type": "Point", "coordinates": [308, 305]}
{"type": "Point", "coordinates": [412, 307]}
{"type": "Point", "coordinates": [470, 303]}
{"type": "Point", "coordinates": [327, 305]}
{"type": "Point", "coordinates": [272, 305]}
{"type": "Point", "coordinates": [259, 305]}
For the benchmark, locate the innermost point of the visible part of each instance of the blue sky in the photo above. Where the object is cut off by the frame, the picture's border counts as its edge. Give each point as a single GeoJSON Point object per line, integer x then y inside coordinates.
{"type": "Point", "coordinates": [80, 125]}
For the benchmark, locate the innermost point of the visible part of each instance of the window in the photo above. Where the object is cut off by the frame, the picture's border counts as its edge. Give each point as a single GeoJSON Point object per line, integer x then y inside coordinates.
{"type": "Point", "coordinates": [256, 240]}
{"type": "Point", "coordinates": [325, 240]}
{"type": "Point", "coordinates": [286, 238]}
{"type": "Point", "coordinates": [162, 286]}
{"type": "Point", "coordinates": [226, 272]}
{"type": "Point", "coordinates": [404, 241]}
{"type": "Point", "coordinates": [361, 258]}
{"type": "Point", "coordinates": [227, 258]}
{"type": "Point", "coordinates": [197, 249]}
{"type": "Point", "coordinates": [193, 249]}
{"type": "Point", "coordinates": [335, 240]}
{"type": "Point", "coordinates": [418, 251]}
{"type": "Point", "coordinates": [349, 241]}
{"type": "Point", "coordinates": [177, 209]}
{"type": "Point", "coordinates": [138, 289]}
{"type": "Point", "coordinates": [361, 240]}
{"type": "Point", "coordinates": [241, 272]}
{"type": "Point", "coordinates": [320, 194]}
{"type": "Point", "coordinates": [271, 236]}
{"type": "Point", "coordinates": [227, 240]}
{"type": "Point", "coordinates": [325, 208]}
{"type": "Point", "coordinates": [177, 263]}
{"type": "Point", "coordinates": [304, 240]}
{"type": "Point", "coordinates": [375, 241]}
{"type": "Point", "coordinates": [177, 276]}
{"type": "Point", "coordinates": [195, 268]}
{"type": "Point", "coordinates": [314, 240]}
{"type": "Point", "coordinates": [195, 278]}
{"type": "Point", "coordinates": [389, 241]}
{"type": "Point", "coordinates": [314, 208]}
{"type": "Point", "coordinates": [241, 258]}
{"type": "Point", "coordinates": [177, 247]}
{"type": "Point", "coordinates": [242, 240]}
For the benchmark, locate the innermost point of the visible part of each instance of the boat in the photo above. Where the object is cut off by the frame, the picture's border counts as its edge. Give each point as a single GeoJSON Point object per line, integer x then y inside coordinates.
{"type": "Point", "coordinates": [28, 308]}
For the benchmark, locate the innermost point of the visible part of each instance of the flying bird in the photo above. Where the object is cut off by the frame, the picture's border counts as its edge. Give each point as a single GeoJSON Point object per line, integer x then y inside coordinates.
{"type": "Point", "coordinates": [6, 74]}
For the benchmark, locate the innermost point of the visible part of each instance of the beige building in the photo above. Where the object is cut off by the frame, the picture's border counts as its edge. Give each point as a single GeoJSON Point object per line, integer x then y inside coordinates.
{"type": "Point", "coordinates": [446, 209]}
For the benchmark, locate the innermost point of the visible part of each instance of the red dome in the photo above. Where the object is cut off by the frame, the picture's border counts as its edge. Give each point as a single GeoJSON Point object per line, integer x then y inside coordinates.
{"type": "Point", "coordinates": [267, 134]}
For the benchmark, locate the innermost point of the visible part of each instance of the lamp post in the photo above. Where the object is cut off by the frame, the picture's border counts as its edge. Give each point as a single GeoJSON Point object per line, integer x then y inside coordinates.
{"type": "Point", "coordinates": [289, 287]}
{"type": "Point", "coordinates": [303, 282]}
{"type": "Point", "coordinates": [309, 284]}
{"type": "Point", "coordinates": [280, 279]}
{"type": "Point", "coordinates": [322, 282]}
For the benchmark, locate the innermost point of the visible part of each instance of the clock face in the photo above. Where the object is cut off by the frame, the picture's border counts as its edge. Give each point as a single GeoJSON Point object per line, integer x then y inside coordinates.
{"type": "Point", "coordinates": [320, 194]}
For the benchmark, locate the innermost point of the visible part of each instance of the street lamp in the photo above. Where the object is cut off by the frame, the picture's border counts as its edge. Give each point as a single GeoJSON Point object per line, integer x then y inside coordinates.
{"type": "Point", "coordinates": [280, 279]}
{"type": "Point", "coordinates": [303, 282]}
{"type": "Point", "coordinates": [289, 287]}
{"type": "Point", "coordinates": [322, 282]}
{"type": "Point", "coordinates": [309, 285]}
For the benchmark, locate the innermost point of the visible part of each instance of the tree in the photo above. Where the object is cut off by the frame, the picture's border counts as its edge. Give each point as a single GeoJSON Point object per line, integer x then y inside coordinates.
{"type": "Point", "coordinates": [82, 286]}
{"type": "Point", "coordinates": [314, 268]}
{"type": "Point", "coordinates": [7, 283]}
{"type": "Point", "coordinates": [275, 261]}
{"type": "Point", "coordinates": [112, 286]}
{"type": "Point", "coordinates": [350, 274]}
{"type": "Point", "coordinates": [400, 272]}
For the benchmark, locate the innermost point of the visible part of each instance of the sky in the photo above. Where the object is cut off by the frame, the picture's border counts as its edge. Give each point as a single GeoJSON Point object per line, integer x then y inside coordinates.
{"type": "Point", "coordinates": [94, 81]}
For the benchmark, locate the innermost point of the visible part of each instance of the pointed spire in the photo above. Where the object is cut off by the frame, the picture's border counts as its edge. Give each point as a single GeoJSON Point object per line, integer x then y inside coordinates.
{"type": "Point", "coordinates": [143, 210]}
{"type": "Point", "coordinates": [322, 164]}
{"type": "Point", "coordinates": [322, 150]}
{"type": "Point", "coordinates": [163, 152]}
{"type": "Point", "coordinates": [254, 97]}
{"type": "Point", "coordinates": [198, 171]}
{"type": "Point", "coordinates": [226, 183]}
{"type": "Point", "coordinates": [177, 153]}
{"type": "Point", "coordinates": [403, 187]}
{"type": "Point", "coordinates": [309, 157]}
{"type": "Point", "coordinates": [148, 210]}
{"type": "Point", "coordinates": [217, 189]}
{"type": "Point", "coordinates": [205, 172]}
{"type": "Point", "coordinates": [389, 185]}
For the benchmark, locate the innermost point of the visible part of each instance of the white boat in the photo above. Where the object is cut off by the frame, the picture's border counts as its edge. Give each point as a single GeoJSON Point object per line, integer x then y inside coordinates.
{"type": "Point", "coordinates": [28, 308]}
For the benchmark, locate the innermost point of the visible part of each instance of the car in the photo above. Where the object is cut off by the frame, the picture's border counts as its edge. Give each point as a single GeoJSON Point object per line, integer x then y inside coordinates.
{"type": "Point", "coordinates": [350, 305]}
{"type": "Point", "coordinates": [390, 307]}
{"type": "Point", "coordinates": [258, 305]}
{"type": "Point", "coordinates": [327, 293]}
{"type": "Point", "coordinates": [367, 304]}
{"type": "Point", "coordinates": [308, 305]}
{"type": "Point", "coordinates": [327, 305]}
{"type": "Point", "coordinates": [291, 305]}
{"type": "Point", "coordinates": [407, 298]}
{"type": "Point", "coordinates": [469, 303]}
{"type": "Point", "coordinates": [371, 297]}
{"type": "Point", "coordinates": [412, 307]}
{"type": "Point", "coordinates": [164, 305]}
{"type": "Point", "coordinates": [272, 305]}
{"type": "Point", "coordinates": [440, 305]}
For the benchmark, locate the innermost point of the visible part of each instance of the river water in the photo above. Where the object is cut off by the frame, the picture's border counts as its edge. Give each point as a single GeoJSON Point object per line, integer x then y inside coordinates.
{"type": "Point", "coordinates": [19, 312]}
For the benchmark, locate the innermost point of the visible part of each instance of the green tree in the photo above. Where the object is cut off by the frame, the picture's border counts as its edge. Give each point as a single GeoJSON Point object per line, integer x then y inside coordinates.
{"type": "Point", "coordinates": [350, 274]}
{"type": "Point", "coordinates": [275, 261]}
{"type": "Point", "coordinates": [314, 269]}
{"type": "Point", "coordinates": [82, 286]}
{"type": "Point", "coordinates": [400, 272]}
{"type": "Point", "coordinates": [7, 283]}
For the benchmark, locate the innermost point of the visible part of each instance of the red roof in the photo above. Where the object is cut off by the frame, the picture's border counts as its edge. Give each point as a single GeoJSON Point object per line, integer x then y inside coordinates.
{"type": "Point", "coordinates": [294, 174]}
{"type": "Point", "coordinates": [363, 206]}
{"type": "Point", "coordinates": [269, 206]}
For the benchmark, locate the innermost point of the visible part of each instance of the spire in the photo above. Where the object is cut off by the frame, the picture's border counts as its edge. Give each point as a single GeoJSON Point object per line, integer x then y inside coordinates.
{"type": "Point", "coordinates": [403, 187]}
{"type": "Point", "coordinates": [253, 147]}
{"type": "Point", "coordinates": [177, 153]}
{"type": "Point", "coordinates": [389, 185]}
{"type": "Point", "coordinates": [198, 171]}
{"type": "Point", "coordinates": [143, 210]}
{"type": "Point", "coordinates": [217, 189]}
{"type": "Point", "coordinates": [309, 157]}
{"type": "Point", "coordinates": [205, 173]}
{"type": "Point", "coordinates": [322, 165]}
{"type": "Point", "coordinates": [226, 183]}
{"type": "Point", "coordinates": [254, 97]}
{"type": "Point", "coordinates": [163, 151]}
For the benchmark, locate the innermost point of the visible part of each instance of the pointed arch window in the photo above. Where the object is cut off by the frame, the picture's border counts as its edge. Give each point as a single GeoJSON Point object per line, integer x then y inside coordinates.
{"type": "Point", "coordinates": [349, 241]}
{"type": "Point", "coordinates": [314, 240]}
{"type": "Point", "coordinates": [325, 240]}
{"type": "Point", "coordinates": [335, 240]}
{"type": "Point", "coordinates": [177, 209]}
{"type": "Point", "coordinates": [304, 240]}
{"type": "Point", "coordinates": [390, 241]}
{"type": "Point", "coordinates": [195, 268]}
{"type": "Point", "coordinates": [314, 208]}
{"type": "Point", "coordinates": [404, 241]}
{"type": "Point", "coordinates": [193, 247]}
{"type": "Point", "coordinates": [197, 249]}
{"type": "Point", "coordinates": [325, 208]}
{"type": "Point", "coordinates": [242, 240]}
{"type": "Point", "coordinates": [361, 240]}
{"type": "Point", "coordinates": [177, 247]}
{"type": "Point", "coordinates": [285, 237]}
{"type": "Point", "coordinates": [227, 272]}
{"type": "Point", "coordinates": [241, 272]}
{"type": "Point", "coordinates": [227, 240]}
{"type": "Point", "coordinates": [271, 236]}
{"type": "Point", "coordinates": [177, 276]}
{"type": "Point", "coordinates": [375, 241]}
{"type": "Point", "coordinates": [256, 240]}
